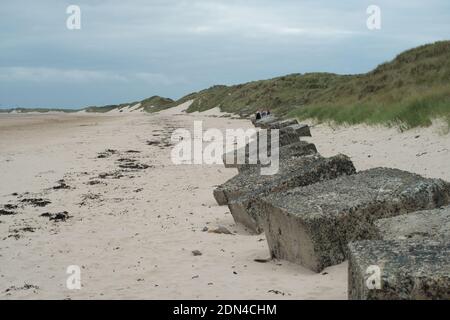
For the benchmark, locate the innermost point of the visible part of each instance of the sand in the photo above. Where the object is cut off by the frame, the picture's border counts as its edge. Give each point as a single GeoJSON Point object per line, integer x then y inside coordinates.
{"type": "Point", "coordinates": [133, 237]}
{"type": "Point", "coordinates": [425, 151]}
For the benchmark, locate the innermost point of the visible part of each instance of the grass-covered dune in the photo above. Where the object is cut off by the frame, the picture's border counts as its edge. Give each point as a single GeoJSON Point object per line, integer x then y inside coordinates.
{"type": "Point", "coordinates": [152, 104]}
{"type": "Point", "coordinates": [408, 91]}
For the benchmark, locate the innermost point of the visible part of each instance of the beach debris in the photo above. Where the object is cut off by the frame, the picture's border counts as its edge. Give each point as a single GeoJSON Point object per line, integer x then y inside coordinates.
{"type": "Point", "coordinates": [153, 143]}
{"type": "Point", "coordinates": [111, 175]}
{"type": "Point", "coordinates": [36, 202]}
{"type": "Point", "coordinates": [126, 163]}
{"type": "Point", "coordinates": [106, 154]}
{"type": "Point", "coordinates": [7, 211]}
{"type": "Point", "coordinates": [10, 206]}
{"type": "Point", "coordinates": [94, 182]}
{"type": "Point", "coordinates": [221, 230]}
{"type": "Point", "coordinates": [24, 229]}
{"type": "Point", "coordinates": [57, 217]}
{"type": "Point", "coordinates": [421, 154]}
{"type": "Point", "coordinates": [61, 185]}
{"type": "Point", "coordinates": [17, 233]}
{"type": "Point", "coordinates": [277, 292]}
{"type": "Point", "coordinates": [89, 197]}
{"type": "Point", "coordinates": [263, 260]}
{"type": "Point", "coordinates": [196, 253]}
{"type": "Point", "coordinates": [26, 286]}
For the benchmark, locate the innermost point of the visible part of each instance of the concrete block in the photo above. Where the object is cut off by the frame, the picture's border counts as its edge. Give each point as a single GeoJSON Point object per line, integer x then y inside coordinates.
{"type": "Point", "coordinates": [399, 270]}
{"type": "Point", "coordinates": [312, 225]}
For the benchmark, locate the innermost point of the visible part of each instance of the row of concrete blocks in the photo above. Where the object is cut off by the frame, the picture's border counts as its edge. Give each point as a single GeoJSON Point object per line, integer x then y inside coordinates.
{"type": "Point", "coordinates": [290, 132]}
{"type": "Point", "coordinates": [318, 212]}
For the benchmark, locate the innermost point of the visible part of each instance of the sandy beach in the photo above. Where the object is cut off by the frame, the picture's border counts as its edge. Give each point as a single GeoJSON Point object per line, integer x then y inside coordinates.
{"type": "Point", "coordinates": [131, 219]}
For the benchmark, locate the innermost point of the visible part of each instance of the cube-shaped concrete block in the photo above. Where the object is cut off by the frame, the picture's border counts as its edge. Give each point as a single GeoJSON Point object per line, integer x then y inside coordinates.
{"type": "Point", "coordinates": [312, 225]}
{"type": "Point", "coordinates": [399, 270]}
{"type": "Point", "coordinates": [244, 191]}
{"type": "Point", "coordinates": [427, 224]}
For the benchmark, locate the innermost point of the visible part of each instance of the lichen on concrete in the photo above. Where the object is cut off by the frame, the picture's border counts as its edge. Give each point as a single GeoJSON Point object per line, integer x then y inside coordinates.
{"type": "Point", "coordinates": [399, 270]}
{"type": "Point", "coordinates": [426, 224]}
{"type": "Point", "coordinates": [312, 225]}
{"type": "Point", "coordinates": [298, 149]}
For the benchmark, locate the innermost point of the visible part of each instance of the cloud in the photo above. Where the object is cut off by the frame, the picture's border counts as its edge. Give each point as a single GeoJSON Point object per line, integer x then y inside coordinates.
{"type": "Point", "coordinates": [42, 74]}
{"type": "Point", "coordinates": [158, 78]}
{"type": "Point", "coordinates": [244, 19]}
{"type": "Point", "coordinates": [54, 75]}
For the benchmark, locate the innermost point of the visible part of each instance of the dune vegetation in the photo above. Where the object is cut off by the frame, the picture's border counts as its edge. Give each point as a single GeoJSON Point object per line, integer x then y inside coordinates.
{"type": "Point", "coordinates": [409, 91]}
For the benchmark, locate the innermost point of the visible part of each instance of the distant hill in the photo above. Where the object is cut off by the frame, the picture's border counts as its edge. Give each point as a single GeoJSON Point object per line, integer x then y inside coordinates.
{"type": "Point", "coordinates": [152, 104]}
{"type": "Point", "coordinates": [36, 110]}
{"type": "Point", "coordinates": [410, 91]}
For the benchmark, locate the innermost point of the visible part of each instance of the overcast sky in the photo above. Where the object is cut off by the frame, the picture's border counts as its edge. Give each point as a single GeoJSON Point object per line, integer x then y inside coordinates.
{"type": "Point", "coordinates": [130, 50]}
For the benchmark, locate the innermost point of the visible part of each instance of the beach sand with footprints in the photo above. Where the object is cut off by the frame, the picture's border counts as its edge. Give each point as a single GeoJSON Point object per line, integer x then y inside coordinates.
{"type": "Point", "coordinates": [100, 191]}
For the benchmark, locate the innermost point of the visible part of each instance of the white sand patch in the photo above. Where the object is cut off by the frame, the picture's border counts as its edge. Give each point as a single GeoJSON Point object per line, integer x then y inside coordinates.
{"type": "Point", "coordinates": [117, 110]}
{"type": "Point", "coordinates": [180, 109]}
{"type": "Point", "coordinates": [134, 108]}
{"type": "Point", "coordinates": [127, 109]}
{"type": "Point", "coordinates": [425, 151]}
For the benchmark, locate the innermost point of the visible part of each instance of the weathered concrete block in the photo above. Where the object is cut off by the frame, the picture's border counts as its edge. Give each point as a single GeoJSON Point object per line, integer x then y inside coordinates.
{"type": "Point", "coordinates": [283, 123]}
{"type": "Point", "coordinates": [408, 270]}
{"type": "Point", "coordinates": [301, 130]}
{"type": "Point", "coordinates": [220, 196]}
{"type": "Point", "coordinates": [242, 191]}
{"type": "Point", "coordinates": [298, 149]}
{"type": "Point", "coordinates": [312, 225]}
{"type": "Point", "coordinates": [265, 122]}
{"type": "Point", "coordinates": [287, 138]}
{"type": "Point", "coordinates": [292, 134]}
{"type": "Point", "coordinates": [425, 224]}
{"type": "Point", "coordinates": [294, 150]}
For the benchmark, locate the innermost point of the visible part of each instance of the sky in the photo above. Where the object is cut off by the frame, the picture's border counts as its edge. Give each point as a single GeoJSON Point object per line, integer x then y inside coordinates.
{"type": "Point", "coordinates": [129, 50]}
